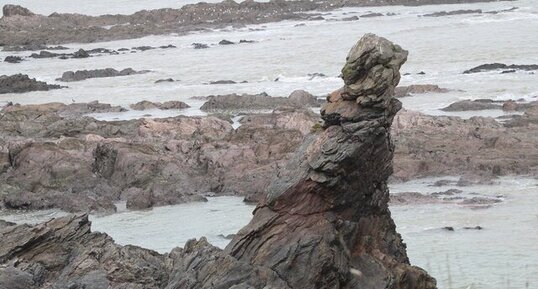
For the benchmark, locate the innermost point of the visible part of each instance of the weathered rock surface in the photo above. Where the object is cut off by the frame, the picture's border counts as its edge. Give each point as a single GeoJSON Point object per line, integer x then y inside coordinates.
{"type": "Point", "coordinates": [19, 83]}
{"type": "Point", "coordinates": [442, 145]}
{"type": "Point", "coordinates": [250, 102]}
{"type": "Point", "coordinates": [64, 253]}
{"type": "Point", "coordinates": [404, 91]}
{"type": "Point", "coordinates": [325, 222]}
{"type": "Point", "coordinates": [19, 26]}
{"type": "Point", "coordinates": [143, 105]}
{"type": "Point", "coordinates": [501, 66]}
{"type": "Point", "coordinates": [477, 104]}
{"type": "Point", "coordinates": [79, 75]}
{"type": "Point", "coordinates": [51, 155]}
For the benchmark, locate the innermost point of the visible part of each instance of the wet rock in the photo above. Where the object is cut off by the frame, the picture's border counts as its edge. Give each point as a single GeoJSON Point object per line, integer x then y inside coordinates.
{"type": "Point", "coordinates": [351, 18]}
{"type": "Point", "coordinates": [479, 104]}
{"type": "Point", "coordinates": [473, 228]}
{"type": "Point", "coordinates": [165, 80]}
{"type": "Point", "coordinates": [450, 13]}
{"type": "Point", "coordinates": [143, 48]}
{"type": "Point", "coordinates": [12, 59]}
{"type": "Point", "coordinates": [316, 75]}
{"type": "Point", "coordinates": [222, 82]}
{"type": "Point", "coordinates": [19, 83]}
{"type": "Point", "coordinates": [143, 105]}
{"type": "Point", "coordinates": [200, 46]}
{"type": "Point", "coordinates": [247, 102]}
{"type": "Point", "coordinates": [442, 183]}
{"type": "Point", "coordinates": [167, 46]}
{"type": "Point", "coordinates": [369, 15]}
{"type": "Point", "coordinates": [79, 75]}
{"type": "Point", "coordinates": [451, 229]}
{"type": "Point", "coordinates": [404, 91]}
{"type": "Point", "coordinates": [474, 179]}
{"type": "Point", "coordinates": [412, 198]}
{"type": "Point", "coordinates": [336, 183]}
{"type": "Point", "coordinates": [502, 11]}
{"type": "Point", "coordinates": [81, 53]}
{"type": "Point", "coordinates": [501, 66]}
{"type": "Point", "coordinates": [44, 54]}
{"type": "Point", "coordinates": [226, 42]}
{"type": "Point", "coordinates": [508, 71]}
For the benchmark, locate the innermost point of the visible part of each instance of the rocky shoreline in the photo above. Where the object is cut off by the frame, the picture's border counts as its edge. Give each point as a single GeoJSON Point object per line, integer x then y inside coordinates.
{"type": "Point", "coordinates": [340, 172]}
{"type": "Point", "coordinates": [153, 162]}
{"type": "Point", "coordinates": [21, 27]}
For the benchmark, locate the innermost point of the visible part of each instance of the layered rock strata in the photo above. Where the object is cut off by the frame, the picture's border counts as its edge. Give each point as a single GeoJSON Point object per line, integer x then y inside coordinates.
{"type": "Point", "coordinates": [325, 222]}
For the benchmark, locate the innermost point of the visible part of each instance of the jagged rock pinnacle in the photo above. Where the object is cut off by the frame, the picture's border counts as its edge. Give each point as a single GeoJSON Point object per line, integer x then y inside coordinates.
{"type": "Point", "coordinates": [325, 222]}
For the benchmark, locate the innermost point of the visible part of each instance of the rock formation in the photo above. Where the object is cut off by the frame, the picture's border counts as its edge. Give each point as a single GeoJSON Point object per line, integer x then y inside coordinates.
{"type": "Point", "coordinates": [173, 104]}
{"type": "Point", "coordinates": [325, 222]}
{"type": "Point", "coordinates": [19, 83]}
{"type": "Point", "coordinates": [250, 102]}
{"type": "Point", "coordinates": [502, 67]}
{"type": "Point", "coordinates": [79, 75]}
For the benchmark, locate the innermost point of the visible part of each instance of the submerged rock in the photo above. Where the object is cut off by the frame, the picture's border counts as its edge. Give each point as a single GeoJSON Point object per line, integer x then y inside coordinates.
{"type": "Point", "coordinates": [478, 104]}
{"type": "Point", "coordinates": [12, 59]}
{"type": "Point", "coordinates": [337, 184]}
{"type": "Point", "coordinates": [456, 12]}
{"type": "Point", "coordinates": [143, 105]}
{"type": "Point", "coordinates": [19, 83]}
{"type": "Point", "coordinates": [501, 66]}
{"type": "Point", "coordinates": [403, 91]}
{"type": "Point", "coordinates": [79, 75]}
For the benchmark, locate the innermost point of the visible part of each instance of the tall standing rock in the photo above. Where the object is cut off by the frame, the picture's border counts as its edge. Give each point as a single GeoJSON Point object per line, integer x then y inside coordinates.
{"type": "Point", "coordinates": [325, 222]}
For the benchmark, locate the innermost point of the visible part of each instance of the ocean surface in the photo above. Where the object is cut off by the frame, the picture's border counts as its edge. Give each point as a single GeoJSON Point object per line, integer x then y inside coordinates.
{"type": "Point", "coordinates": [501, 256]}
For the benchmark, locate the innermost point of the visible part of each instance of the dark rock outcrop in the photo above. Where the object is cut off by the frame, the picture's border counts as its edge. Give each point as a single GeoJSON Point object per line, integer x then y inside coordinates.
{"type": "Point", "coordinates": [143, 105]}
{"type": "Point", "coordinates": [501, 66]}
{"type": "Point", "coordinates": [13, 59]}
{"type": "Point", "coordinates": [19, 83]}
{"type": "Point", "coordinates": [249, 102]}
{"type": "Point", "coordinates": [477, 104]}
{"type": "Point", "coordinates": [455, 12]}
{"type": "Point", "coordinates": [325, 222]}
{"type": "Point", "coordinates": [404, 91]}
{"type": "Point", "coordinates": [79, 75]}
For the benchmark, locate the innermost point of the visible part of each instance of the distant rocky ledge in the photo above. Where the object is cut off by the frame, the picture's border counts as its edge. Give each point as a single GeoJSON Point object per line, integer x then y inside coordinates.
{"type": "Point", "coordinates": [20, 26]}
{"type": "Point", "coordinates": [19, 83]}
